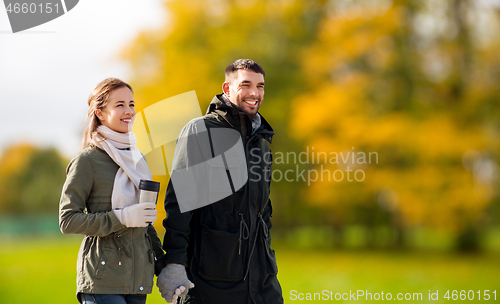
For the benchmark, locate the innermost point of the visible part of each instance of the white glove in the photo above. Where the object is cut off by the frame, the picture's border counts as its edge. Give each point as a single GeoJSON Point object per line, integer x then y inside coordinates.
{"type": "Point", "coordinates": [137, 215]}
{"type": "Point", "coordinates": [173, 282]}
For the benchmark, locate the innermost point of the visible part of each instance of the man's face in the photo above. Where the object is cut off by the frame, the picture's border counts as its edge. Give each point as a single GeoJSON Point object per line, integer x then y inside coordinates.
{"type": "Point", "coordinates": [245, 91]}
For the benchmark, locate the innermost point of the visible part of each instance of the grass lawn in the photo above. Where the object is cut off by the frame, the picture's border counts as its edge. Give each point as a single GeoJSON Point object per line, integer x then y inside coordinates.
{"type": "Point", "coordinates": [43, 270]}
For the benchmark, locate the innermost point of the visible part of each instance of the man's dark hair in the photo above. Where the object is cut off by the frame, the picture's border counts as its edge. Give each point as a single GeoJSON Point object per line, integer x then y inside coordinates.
{"type": "Point", "coordinates": [244, 64]}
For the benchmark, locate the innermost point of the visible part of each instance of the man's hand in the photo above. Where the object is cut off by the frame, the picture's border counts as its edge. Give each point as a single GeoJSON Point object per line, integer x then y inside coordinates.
{"type": "Point", "coordinates": [173, 282]}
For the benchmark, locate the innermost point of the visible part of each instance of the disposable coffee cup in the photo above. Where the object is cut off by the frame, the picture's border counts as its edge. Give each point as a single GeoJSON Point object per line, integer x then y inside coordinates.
{"type": "Point", "coordinates": [148, 191]}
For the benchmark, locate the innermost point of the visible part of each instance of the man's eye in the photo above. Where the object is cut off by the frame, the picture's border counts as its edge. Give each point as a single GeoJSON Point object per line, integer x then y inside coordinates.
{"type": "Point", "coordinates": [132, 105]}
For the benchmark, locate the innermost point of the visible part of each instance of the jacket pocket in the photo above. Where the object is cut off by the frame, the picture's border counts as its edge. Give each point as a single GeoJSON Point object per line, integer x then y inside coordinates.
{"type": "Point", "coordinates": [93, 257]}
{"type": "Point", "coordinates": [217, 176]}
{"type": "Point", "coordinates": [100, 259]}
{"type": "Point", "coordinates": [272, 267]}
{"type": "Point", "coordinates": [271, 261]}
{"type": "Point", "coordinates": [219, 257]}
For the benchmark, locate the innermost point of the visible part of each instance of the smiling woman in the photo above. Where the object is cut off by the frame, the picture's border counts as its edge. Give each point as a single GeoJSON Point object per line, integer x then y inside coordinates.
{"type": "Point", "coordinates": [119, 113]}
{"type": "Point", "coordinates": [100, 200]}
{"type": "Point", "coordinates": [110, 101]}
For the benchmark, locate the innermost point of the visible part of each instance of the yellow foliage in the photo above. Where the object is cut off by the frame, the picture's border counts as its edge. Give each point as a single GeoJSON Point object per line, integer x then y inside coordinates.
{"type": "Point", "coordinates": [328, 109]}
{"type": "Point", "coordinates": [420, 158]}
{"type": "Point", "coordinates": [367, 89]}
{"type": "Point", "coordinates": [349, 36]}
{"type": "Point", "coordinates": [14, 159]}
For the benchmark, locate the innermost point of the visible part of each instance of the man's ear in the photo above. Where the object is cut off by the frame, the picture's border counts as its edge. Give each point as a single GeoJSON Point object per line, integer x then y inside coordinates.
{"type": "Point", "coordinates": [225, 88]}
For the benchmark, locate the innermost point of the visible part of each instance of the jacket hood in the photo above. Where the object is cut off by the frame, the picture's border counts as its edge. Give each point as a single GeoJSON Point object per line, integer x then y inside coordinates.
{"type": "Point", "coordinates": [232, 115]}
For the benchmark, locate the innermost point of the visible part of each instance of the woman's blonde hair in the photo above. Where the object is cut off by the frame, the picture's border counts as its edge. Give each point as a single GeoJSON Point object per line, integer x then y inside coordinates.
{"type": "Point", "coordinates": [98, 100]}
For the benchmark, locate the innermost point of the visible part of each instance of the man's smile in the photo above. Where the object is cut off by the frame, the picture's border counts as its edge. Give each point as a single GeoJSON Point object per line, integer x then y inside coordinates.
{"type": "Point", "coordinates": [251, 102]}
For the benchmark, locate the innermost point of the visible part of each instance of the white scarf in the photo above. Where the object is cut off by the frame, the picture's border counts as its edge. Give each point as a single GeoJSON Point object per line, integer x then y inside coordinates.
{"type": "Point", "coordinates": [133, 167]}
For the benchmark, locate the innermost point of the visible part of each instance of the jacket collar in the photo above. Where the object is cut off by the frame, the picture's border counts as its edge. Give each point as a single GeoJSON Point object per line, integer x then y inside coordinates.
{"type": "Point", "coordinates": [239, 120]}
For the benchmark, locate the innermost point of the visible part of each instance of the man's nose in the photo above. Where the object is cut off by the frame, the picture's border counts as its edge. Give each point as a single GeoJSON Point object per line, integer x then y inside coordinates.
{"type": "Point", "coordinates": [253, 92]}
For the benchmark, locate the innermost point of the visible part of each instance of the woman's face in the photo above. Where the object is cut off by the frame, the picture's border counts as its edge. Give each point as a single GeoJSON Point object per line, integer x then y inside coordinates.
{"type": "Point", "coordinates": [119, 113]}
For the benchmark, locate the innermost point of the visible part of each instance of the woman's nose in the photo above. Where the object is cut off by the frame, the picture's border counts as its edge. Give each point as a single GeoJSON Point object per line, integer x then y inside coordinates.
{"type": "Point", "coordinates": [129, 110]}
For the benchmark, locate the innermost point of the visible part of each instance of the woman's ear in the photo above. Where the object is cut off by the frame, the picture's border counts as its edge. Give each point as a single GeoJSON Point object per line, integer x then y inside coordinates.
{"type": "Point", "coordinates": [99, 115]}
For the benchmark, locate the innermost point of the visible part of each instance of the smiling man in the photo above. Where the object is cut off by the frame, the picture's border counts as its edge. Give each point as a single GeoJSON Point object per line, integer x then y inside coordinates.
{"type": "Point", "coordinates": [224, 248]}
{"type": "Point", "coordinates": [244, 89]}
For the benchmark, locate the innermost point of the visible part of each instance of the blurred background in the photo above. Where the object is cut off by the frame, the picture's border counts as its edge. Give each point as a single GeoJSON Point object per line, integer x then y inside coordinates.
{"type": "Point", "coordinates": [416, 82]}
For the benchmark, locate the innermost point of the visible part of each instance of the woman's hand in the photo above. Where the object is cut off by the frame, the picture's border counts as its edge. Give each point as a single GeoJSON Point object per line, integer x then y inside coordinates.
{"type": "Point", "coordinates": [137, 215]}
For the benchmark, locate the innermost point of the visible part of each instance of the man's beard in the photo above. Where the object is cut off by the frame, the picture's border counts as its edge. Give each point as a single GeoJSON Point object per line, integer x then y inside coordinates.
{"type": "Point", "coordinates": [240, 105]}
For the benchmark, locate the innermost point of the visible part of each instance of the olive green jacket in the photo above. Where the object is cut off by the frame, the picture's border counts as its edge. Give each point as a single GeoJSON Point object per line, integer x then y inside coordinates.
{"type": "Point", "coordinates": [113, 259]}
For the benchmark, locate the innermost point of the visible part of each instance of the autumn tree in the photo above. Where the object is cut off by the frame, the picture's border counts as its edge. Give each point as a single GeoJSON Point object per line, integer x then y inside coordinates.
{"type": "Point", "coordinates": [395, 78]}
{"type": "Point", "coordinates": [31, 179]}
{"type": "Point", "coordinates": [412, 81]}
{"type": "Point", "coordinates": [200, 38]}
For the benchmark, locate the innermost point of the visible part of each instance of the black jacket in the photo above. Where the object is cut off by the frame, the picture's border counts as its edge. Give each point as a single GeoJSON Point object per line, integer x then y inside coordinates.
{"type": "Point", "coordinates": [226, 246]}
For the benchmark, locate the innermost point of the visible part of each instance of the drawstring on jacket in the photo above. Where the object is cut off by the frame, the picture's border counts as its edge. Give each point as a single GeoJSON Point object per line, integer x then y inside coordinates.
{"type": "Point", "coordinates": [120, 246]}
{"type": "Point", "coordinates": [244, 232]}
{"type": "Point", "coordinates": [265, 230]}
